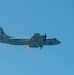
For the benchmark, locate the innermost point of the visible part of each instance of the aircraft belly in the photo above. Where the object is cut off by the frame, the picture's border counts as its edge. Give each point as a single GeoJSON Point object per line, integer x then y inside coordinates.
{"type": "Point", "coordinates": [35, 44]}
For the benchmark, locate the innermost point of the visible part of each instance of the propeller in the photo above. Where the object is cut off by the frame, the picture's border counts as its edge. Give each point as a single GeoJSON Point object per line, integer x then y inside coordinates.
{"type": "Point", "coordinates": [45, 37]}
{"type": "Point", "coordinates": [41, 47]}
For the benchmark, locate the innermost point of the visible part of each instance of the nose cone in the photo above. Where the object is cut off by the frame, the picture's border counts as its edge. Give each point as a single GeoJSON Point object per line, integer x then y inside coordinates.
{"type": "Point", "coordinates": [58, 42]}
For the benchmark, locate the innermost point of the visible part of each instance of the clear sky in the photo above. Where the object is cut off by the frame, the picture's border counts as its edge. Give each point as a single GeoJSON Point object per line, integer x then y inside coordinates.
{"type": "Point", "coordinates": [23, 18]}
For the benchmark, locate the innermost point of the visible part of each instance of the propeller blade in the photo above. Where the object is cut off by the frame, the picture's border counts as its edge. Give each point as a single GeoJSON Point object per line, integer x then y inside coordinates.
{"type": "Point", "coordinates": [45, 37]}
{"type": "Point", "coordinates": [41, 47]}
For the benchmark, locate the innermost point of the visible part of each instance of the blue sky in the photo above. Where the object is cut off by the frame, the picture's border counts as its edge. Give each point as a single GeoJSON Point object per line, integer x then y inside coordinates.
{"type": "Point", "coordinates": [23, 18]}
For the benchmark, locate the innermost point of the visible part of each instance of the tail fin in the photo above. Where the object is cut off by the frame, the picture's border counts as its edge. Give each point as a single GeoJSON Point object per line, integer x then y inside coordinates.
{"type": "Point", "coordinates": [2, 33]}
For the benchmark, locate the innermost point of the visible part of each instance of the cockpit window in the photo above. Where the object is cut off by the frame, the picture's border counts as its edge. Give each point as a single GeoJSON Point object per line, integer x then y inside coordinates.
{"type": "Point", "coordinates": [54, 38]}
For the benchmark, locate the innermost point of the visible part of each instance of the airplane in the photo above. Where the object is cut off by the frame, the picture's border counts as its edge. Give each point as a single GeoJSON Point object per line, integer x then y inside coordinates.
{"type": "Point", "coordinates": [35, 41]}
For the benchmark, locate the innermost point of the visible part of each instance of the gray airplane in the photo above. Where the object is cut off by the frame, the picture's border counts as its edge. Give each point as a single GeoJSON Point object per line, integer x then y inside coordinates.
{"type": "Point", "coordinates": [35, 41]}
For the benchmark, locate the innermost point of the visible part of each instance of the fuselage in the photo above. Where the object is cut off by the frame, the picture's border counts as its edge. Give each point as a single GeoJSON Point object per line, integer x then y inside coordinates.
{"type": "Point", "coordinates": [36, 40]}
{"type": "Point", "coordinates": [26, 41]}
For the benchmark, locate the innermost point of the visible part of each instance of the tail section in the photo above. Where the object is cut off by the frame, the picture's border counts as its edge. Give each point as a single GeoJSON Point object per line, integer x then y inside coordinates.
{"type": "Point", "coordinates": [2, 34]}
{"type": "Point", "coordinates": [1, 31]}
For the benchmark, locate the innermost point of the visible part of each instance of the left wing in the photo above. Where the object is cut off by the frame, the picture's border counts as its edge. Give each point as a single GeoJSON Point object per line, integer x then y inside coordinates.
{"type": "Point", "coordinates": [35, 37]}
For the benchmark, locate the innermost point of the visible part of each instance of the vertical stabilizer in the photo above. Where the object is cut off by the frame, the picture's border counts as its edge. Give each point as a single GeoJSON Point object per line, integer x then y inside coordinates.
{"type": "Point", "coordinates": [2, 33]}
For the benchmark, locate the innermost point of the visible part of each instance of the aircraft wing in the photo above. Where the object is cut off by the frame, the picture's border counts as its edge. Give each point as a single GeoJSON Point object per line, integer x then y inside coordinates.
{"type": "Point", "coordinates": [35, 37]}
